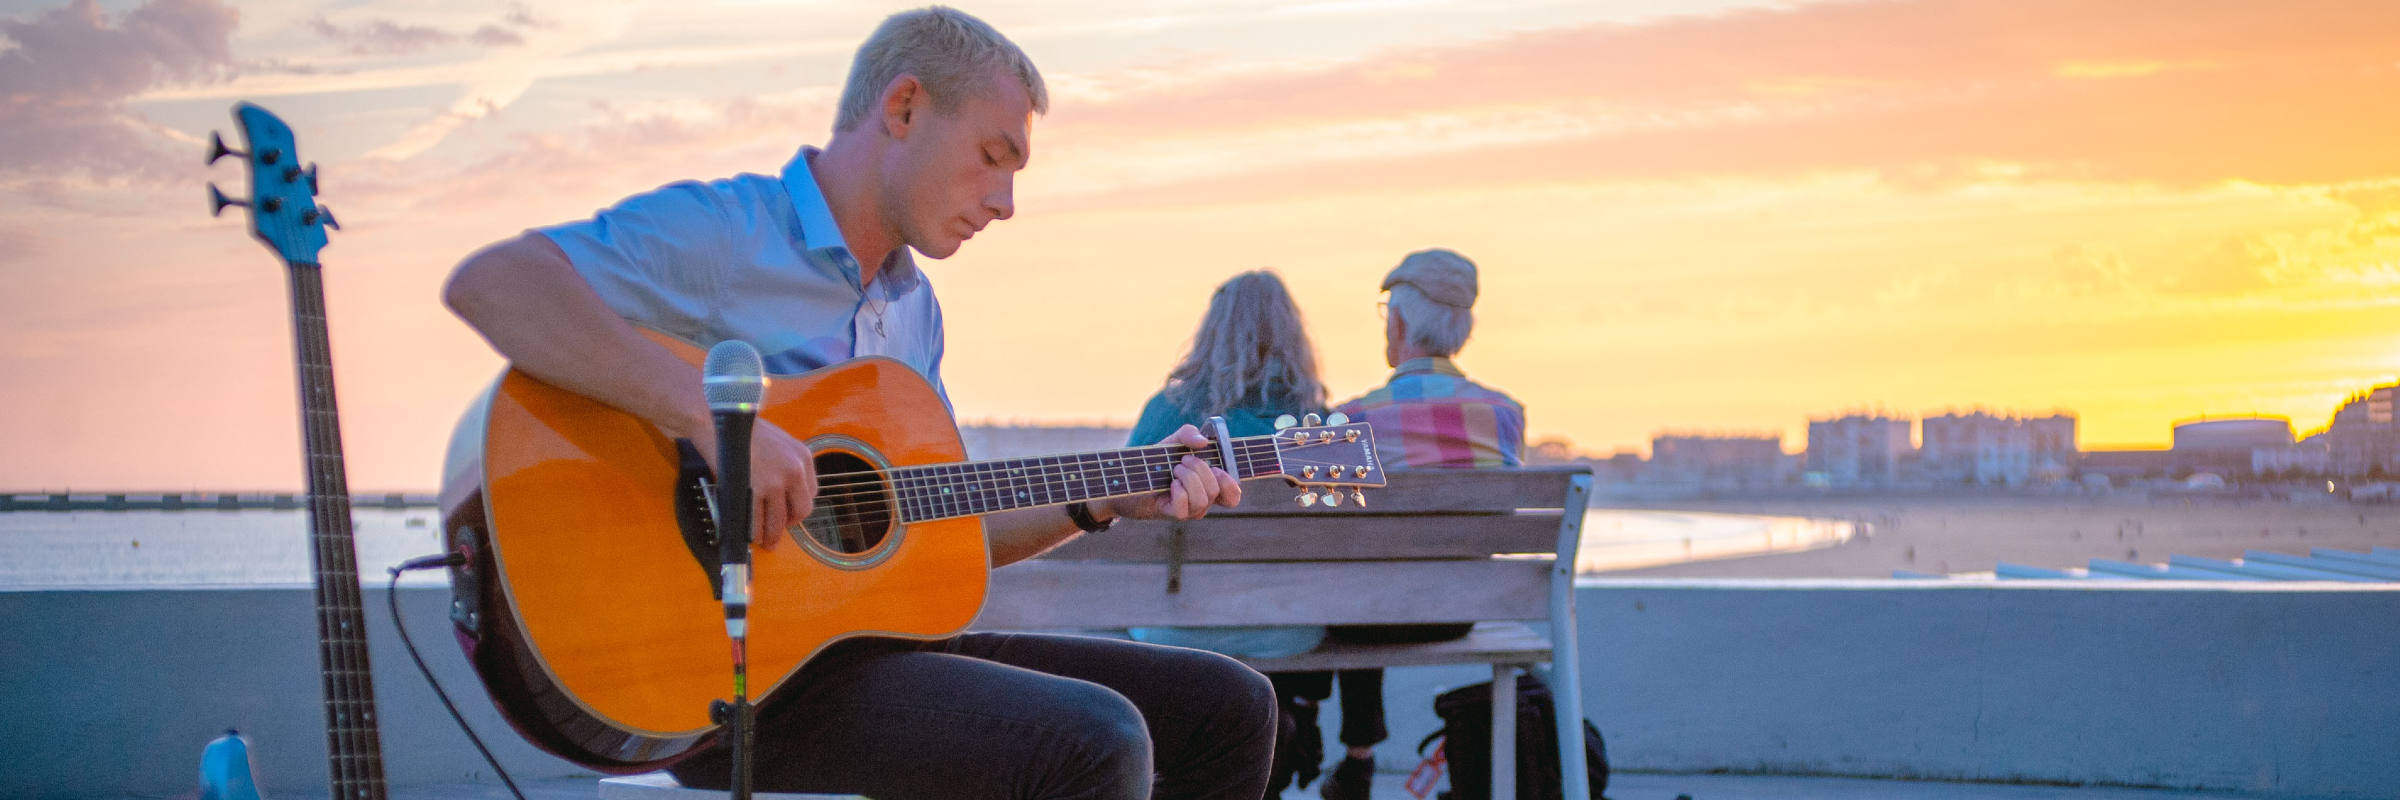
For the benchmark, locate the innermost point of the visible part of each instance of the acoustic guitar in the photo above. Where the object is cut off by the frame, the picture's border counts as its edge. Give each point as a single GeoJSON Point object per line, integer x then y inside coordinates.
{"type": "Point", "coordinates": [285, 216]}
{"type": "Point", "coordinates": [587, 599]}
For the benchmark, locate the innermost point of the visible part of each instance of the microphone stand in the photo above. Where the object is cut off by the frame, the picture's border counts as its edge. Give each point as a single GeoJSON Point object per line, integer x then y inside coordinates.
{"type": "Point", "coordinates": [735, 395]}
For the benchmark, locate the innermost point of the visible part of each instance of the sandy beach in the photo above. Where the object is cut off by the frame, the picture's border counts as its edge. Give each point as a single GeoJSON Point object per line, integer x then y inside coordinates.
{"type": "Point", "coordinates": [1970, 533]}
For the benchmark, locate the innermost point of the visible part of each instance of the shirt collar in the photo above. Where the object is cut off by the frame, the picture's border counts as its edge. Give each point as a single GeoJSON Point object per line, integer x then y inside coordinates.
{"type": "Point", "coordinates": [1435, 365]}
{"type": "Point", "coordinates": [823, 237]}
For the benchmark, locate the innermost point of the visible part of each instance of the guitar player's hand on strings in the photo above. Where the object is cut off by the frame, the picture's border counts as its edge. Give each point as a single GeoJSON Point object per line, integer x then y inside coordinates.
{"type": "Point", "coordinates": [783, 480]}
{"type": "Point", "coordinates": [1197, 486]}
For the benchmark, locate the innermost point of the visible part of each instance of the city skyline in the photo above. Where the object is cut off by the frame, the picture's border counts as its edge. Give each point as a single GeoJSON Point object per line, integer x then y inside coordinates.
{"type": "Point", "coordinates": [1712, 215]}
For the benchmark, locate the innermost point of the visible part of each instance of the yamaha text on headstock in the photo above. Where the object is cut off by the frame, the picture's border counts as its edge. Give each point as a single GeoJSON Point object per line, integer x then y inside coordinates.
{"type": "Point", "coordinates": [284, 214]}
{"type": "Point", "coordinates": [587, 604]}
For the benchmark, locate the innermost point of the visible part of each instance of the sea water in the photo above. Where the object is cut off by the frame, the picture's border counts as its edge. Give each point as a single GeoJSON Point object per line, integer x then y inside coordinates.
{"type": "Point", "coordinates": [265, 547]}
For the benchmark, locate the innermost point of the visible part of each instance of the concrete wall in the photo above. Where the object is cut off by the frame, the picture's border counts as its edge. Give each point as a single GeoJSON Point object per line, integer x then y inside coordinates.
{"type": "Point", "coordinates": [2279, 689]}
{"type": "Point", "coordinates": [109, 693]}
{"type": "Point", "coordinates": [2283, 689]}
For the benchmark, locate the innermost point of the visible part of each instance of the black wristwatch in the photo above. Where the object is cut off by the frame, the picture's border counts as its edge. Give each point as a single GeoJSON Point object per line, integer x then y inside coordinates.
{"type": "Point", "coordinates": [1081, 514]}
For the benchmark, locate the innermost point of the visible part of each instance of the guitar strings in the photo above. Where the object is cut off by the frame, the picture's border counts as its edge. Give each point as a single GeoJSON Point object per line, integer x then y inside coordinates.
{"type": "Point", "coordinates": [999, 474]}
{"type": "Point", "coordinates": [1246, 454]}
{"type": "Point", "coordinates": [848, 497]}
{"type": "Point", "coordinates": [859, 482]}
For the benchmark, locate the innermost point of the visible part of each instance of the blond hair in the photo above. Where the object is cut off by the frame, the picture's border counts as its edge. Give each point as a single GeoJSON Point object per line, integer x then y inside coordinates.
{"type": "Point", "coordinates": [948, 50]}
{"type": "Point", "coordinates": [1251, 347]}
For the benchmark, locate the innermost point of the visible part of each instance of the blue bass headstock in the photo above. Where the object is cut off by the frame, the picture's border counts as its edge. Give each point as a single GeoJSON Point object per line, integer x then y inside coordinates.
{"type": "Point", "coordinates": [283, 194]}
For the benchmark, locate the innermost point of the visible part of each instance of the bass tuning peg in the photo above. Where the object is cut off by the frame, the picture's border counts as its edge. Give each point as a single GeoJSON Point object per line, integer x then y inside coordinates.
{"type": "Point", "coordinates": [1359, 496]}
{"type": "Point", "coordinates": [217, 201]}
{"type": "Point", "coordinates": [1285, 421]}
{"type": "Point", "coordinates": [1312, 420]}
{"type": "Point", "coordinates": [217, 148]}
{"type": "Point", "coordinates": [1333, 497]}
{"type": "Point", "coordinates": [294, 173]}
{"type": "Point", "coordinates": [1308, 498]}
{"type": "Point", "coordinates": [1337, 418]}
{"type": "Point", "coordinates": [321, 213]}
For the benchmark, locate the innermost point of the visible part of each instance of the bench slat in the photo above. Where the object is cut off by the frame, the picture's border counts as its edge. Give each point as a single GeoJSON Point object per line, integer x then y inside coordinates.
{"type": "Point", "coordinates": [1488, 643]}
{"type": "Point", "coordinates": [1042, 594]}
{"type": "Point", "coordinates": [1449, 491]}
{"type": "Point", "coordinates": [1319, 538]}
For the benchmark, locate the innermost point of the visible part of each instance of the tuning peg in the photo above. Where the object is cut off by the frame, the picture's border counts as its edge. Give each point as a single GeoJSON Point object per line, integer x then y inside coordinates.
{"type": "Point", "coordinates": [1308, 498]}
{"type": "Point", "coordinates": [217, 148]}
{"type": "Point", "coordinates": [1359, 472]}
{"type": "Point", "coordinates": [1285, 421]}
{"type": "Point", "coordinates": [1325, 438]}
{"type": "Point", "coordinates": [1337, 418]}
{"type": "Point", "coordinates": [294, 173]}
{"type": "Point", "coordinates": [1359, 496]}
{"type": "Point", "coordinates": [1350, 436]}
{"type": "Point", "coordinates": [1312, 420]}
{"type": "Point", "coordinates": [217, 201]}
{"type": "Point", "coordinates": [269, 156]}
{"type": "Point", "coordinates": [320, 213]}
{"type": "Point", "coordinates": [1333, 497]}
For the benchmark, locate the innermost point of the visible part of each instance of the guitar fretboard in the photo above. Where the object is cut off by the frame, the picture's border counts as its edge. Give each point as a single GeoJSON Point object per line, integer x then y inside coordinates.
{"type": "Point", "coordinates": [354, 748]}
{"type": "Point", "coordinates": [983, 487]}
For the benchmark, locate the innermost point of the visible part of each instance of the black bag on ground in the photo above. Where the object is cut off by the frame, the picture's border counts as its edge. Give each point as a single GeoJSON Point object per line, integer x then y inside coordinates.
{"type": "Point", "coordinates": [1466, 737]}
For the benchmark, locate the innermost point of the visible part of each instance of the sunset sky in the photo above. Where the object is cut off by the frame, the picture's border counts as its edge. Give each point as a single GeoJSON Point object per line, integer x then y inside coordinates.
{"type": "Point", "coordinates": [1689, 215]}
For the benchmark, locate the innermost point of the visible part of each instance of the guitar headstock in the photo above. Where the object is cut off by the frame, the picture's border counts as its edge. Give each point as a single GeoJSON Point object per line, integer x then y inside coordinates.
{"type": "Point", "coordinates": [1330, 454]}
{"type": "Point", "coordinates": [283, 195]}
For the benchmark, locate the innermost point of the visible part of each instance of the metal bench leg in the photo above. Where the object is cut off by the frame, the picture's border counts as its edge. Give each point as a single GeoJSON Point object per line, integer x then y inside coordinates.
{"type": "Point", "coordinates": [1504, 731]}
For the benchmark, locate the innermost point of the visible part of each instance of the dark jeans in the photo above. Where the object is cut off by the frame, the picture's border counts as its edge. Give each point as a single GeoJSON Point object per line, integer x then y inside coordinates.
{"type": "Point", "coordinates": [992, 715]}
{"type": "Point", "coordinates": [1362, 700]}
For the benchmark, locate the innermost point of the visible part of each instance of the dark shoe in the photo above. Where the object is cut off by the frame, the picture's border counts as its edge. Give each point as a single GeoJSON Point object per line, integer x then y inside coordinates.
{"type": "Point", "coordinates": [1351, 780]}
{"type": "Point", "coordinates": [1308, 741]}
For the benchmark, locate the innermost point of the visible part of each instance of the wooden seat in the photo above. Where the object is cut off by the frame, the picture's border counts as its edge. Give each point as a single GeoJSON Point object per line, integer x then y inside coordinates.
{"type": "Point", "coordinates": [1491, 547]}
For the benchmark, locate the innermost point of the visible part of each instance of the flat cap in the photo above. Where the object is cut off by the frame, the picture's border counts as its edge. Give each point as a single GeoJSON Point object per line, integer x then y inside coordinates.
{"type": "Point", "coordinates": [1444, 276]}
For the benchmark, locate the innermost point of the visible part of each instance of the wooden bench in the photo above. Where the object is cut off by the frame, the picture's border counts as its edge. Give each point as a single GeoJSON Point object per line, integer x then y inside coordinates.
{"type": "Point", "coordinates": [1492, 547]}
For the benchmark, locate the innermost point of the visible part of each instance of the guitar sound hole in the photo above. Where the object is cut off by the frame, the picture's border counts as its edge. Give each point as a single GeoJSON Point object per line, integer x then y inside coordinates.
{"type": "Point", "coordinates": [854, 508]}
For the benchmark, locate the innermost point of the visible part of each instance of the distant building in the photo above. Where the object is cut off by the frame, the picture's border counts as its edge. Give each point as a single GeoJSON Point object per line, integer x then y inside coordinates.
{"type": "Point", "coordinates": [1857, 450]}
{"type": "Point", "coordinates": [2303, 459]}
{"type": "Point", "coordinates": [2126, 465]}
{"type": "Point", "coordinates": [2224, 446]}
{"type": "Point", "coordinates": [1996, 450]}
{"type": "Point", "coordinates": [1623, 466]}
{"type": "Point", "coordinates": [2362, 441]}
{"type": "Point", "coordinates": [1718, 460]}
{"type": "Point", "coordinates": [989, 441]}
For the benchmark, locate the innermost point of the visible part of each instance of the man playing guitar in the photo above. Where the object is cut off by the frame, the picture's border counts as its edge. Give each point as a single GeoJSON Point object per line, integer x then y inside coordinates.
{"type": "Point", "coordinates": [814, 268]}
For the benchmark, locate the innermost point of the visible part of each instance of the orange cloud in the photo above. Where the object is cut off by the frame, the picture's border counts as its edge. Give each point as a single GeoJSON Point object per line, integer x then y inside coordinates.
{"type": "Point", "coordinates": [2151, 90]}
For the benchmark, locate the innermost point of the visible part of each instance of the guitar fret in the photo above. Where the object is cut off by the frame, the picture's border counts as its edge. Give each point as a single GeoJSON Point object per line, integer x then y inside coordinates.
{"type": "Point", "coordinates": [942, 491]}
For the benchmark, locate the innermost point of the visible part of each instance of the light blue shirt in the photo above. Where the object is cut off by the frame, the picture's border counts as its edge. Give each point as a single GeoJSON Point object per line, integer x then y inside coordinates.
{"type": "Point", "coordinates": [758, 259]}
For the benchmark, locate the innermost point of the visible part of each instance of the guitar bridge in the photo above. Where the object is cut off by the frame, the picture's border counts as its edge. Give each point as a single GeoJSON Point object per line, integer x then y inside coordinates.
{"type": "Point", "coordinates": [695, 514]}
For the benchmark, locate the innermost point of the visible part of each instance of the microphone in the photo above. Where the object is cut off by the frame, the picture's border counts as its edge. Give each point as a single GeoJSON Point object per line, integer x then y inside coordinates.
{"type": "Point", "coordinates": [734, 379]}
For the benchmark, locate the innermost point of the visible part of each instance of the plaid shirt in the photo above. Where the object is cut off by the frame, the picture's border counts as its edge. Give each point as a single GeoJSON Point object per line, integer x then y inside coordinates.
{"type": "Point", "coordinates": [1430, 415]}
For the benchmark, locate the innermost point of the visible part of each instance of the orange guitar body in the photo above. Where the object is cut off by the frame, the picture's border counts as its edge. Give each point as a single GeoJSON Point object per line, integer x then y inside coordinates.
{"type": "Point", "coordinates": [589, 618]}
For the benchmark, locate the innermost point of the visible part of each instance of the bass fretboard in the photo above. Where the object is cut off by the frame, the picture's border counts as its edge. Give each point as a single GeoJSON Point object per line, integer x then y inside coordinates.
{"type": "Point", "coordinates": [354, 749]}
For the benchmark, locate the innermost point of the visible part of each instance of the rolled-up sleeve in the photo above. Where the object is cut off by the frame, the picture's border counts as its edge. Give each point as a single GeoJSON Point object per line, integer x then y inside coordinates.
{"type": "Point", "coordinates": [656, 258]}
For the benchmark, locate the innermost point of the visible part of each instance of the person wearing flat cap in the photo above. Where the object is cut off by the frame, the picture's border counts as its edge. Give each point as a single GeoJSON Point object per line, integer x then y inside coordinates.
{"type": "Point", "coordinates": [1427, 416]}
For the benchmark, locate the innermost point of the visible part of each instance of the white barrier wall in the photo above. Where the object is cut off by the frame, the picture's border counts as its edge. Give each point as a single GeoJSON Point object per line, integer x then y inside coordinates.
{"type": "Point", "coordinates": [2287, 689]}
{"type": "Point", "coordinates": [2283, 689]}
{"type": "Point", "coordinates": [112, 693]}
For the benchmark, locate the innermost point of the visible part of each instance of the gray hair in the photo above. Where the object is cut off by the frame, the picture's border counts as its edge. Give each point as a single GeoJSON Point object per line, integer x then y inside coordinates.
{"type": "Point", "coordinates": [1432, 327]}
{"type": "Point", "coordinates": [948, 50]}
{"type": "Point", "coordinates": [1251, 347]}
